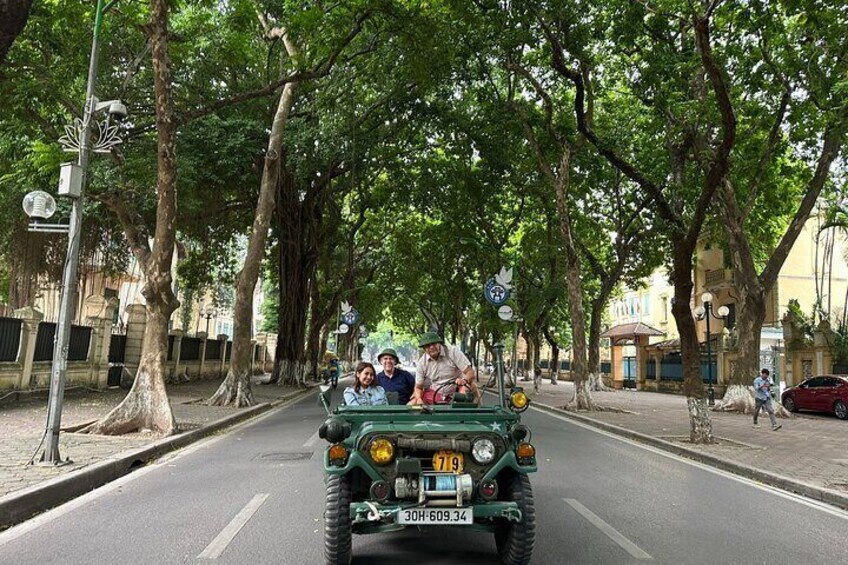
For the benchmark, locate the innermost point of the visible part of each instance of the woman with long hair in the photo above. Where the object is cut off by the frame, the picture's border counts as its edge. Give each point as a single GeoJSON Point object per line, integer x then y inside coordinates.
{"type": "Point", "coordinates": [365, 391]}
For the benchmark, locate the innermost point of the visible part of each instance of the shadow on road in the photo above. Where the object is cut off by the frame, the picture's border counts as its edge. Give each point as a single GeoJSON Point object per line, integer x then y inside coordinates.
{"type": "Point", "coordinates": [433, 546]}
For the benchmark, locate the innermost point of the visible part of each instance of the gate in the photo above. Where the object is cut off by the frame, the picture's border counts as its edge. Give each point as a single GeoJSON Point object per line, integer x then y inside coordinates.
{"type": "Point", "coordinates": [629, 371]}
{"type": "Point", "coordinates": [117, 346]}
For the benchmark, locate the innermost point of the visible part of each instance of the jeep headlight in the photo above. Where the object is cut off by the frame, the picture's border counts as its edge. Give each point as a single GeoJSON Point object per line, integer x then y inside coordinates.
{"type": "Point", "coordinates": [483, 450]}
{"type": "Point", "coordinates": [382, 451]}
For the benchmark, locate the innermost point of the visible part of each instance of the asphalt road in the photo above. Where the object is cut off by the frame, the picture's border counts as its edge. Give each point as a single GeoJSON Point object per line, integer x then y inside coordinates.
{"type": "Point", "coordinates": [254, 495]}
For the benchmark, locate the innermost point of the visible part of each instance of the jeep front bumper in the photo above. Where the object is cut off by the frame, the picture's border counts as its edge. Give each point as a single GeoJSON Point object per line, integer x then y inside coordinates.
{"type": "Point", "coordinates": [384, 516]}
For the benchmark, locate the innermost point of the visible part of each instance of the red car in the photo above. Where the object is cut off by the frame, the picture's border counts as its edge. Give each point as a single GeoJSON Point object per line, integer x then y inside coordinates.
{"type": "Point", "coordinates": [826, 393]}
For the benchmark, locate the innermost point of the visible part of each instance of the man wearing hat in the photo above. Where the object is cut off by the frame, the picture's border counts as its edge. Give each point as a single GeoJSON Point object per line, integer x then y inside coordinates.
{"type": "Point", "coordinates": [392, 378]}
{"type": "Point", "coordinates": [441, 364]}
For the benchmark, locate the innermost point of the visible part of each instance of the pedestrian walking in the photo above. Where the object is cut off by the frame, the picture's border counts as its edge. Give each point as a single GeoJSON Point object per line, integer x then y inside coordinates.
{"type": "Point", "coordinates": [762, 398]}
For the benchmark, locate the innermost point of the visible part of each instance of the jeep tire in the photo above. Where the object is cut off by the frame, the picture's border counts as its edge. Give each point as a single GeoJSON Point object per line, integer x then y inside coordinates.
{"type": "Point", "coordinates": [515, 540]}
{"type": "Point", "coordinates": [337, 530]}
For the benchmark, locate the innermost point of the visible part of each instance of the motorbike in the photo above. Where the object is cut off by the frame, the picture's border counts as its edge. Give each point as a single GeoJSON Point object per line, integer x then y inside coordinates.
{"type": "Point", "coordinates": [330, 375]}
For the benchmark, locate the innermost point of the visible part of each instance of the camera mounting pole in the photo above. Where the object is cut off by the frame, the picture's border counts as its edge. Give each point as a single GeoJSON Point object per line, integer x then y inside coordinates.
{"type": "Point", "coordinates": [79, 140]}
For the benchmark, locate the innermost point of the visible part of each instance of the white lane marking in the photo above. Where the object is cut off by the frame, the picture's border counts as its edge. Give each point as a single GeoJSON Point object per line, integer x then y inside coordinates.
{"type": "Point", "coordinates": [217, 546]}
{"type": "Point", "coordinates": [23, 528]}
{"type": "Point", "coordinates": [608, 530]}
{"type": "Point", "coordinates": [816, 504]}
{"type": "Point", "coordinates": [311, 441]}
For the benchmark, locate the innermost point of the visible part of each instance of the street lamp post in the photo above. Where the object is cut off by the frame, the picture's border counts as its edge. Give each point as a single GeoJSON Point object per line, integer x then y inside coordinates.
{"type": "Point", "coordinates": [80, 141]}
{"type": "Point", "coordinates": [705, 312]}
{"type": "Point", "coordinates": [209, 312]}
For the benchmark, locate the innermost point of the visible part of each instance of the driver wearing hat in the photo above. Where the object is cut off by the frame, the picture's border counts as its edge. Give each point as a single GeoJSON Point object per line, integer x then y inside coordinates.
{"type": "Point", "coordinates": [394, 379]}
{"type": "Point", "coordinates": [441, 370]}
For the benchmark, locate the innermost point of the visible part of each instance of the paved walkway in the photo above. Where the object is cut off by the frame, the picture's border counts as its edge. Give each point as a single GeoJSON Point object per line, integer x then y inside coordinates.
{"type": "Point", "coordinates": [809, 448]}
{"type": "Point", "coordinates": [22, 424]}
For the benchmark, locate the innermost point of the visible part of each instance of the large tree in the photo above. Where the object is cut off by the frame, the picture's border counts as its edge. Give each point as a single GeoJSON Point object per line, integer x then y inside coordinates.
{"type": "Point", "coordinates": [146, 406]}
{"type": "Point", "coordinates": [674, 59]}
{"type": "Point", "coordinates": [797, 118]}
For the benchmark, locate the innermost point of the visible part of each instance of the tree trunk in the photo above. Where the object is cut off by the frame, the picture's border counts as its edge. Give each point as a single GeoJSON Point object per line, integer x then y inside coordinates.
{"type": "Point", "coordinates": [582, 399]}
{"type": "Point", "coordinates": [596, 382]}
{"type": "Point", "coordinates": [313, 340]}
{"type": "Point", "coordinates": [146, 406]}
{"type": "Point", "coordinates": [554, 369]}
{"type": "Point", "coordinates": [294, 283]}
{"type": "Point", "coordinates": [700, 427]}
{"type": "Point", "coordinates": [236, 388]}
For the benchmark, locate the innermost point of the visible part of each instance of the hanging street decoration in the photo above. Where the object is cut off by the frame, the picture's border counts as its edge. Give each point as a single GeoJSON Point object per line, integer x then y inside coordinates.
{"type": "Point", "coordinates": [343, 328]}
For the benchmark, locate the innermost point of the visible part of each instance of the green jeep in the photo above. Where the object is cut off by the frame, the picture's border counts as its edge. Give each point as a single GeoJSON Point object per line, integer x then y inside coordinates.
{"type": "Point", "coordinates": [456, 464]}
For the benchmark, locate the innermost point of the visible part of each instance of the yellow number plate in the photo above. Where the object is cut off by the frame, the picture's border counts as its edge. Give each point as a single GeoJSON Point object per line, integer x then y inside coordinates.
{"type": "Point", "coordinates": [447, 461]}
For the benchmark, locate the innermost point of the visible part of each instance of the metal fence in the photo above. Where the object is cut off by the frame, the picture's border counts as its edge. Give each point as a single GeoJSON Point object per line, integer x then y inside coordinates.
{"type": "Point", "coordinates": [78, 343]}
{"type": "Point", "coordinates": [10, 338]}
{"type": "Point", "coordinates": [170, 348]}
{"type": "Point", "coordinates": [671, 369]}
{"type": "Point", "coordinates": [190, 349]}
{"type": "Point", "coordinates": [565, 365]}
{"type": "Point", "coordinates": [213, 350]}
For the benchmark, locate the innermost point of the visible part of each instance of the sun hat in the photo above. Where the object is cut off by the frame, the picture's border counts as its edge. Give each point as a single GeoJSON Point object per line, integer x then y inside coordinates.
{"type": "Point", "coordinates": [429, 338]}
{"type": "Point", "coordinates": [388, 351]}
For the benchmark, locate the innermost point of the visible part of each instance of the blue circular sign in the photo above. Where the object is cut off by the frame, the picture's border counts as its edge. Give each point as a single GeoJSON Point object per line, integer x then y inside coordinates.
{"type": "Point", "coordinates": [495, 293]}
{"type": "Point", "coordinates": [351, 318]}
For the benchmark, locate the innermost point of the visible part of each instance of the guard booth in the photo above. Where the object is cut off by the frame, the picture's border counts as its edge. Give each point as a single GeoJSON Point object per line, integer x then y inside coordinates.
{"type": "Point", "coordinates": [627, 353]}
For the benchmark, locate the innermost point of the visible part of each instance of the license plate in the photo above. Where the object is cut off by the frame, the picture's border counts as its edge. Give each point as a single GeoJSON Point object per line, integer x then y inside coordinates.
{"type": "Point", "coordinates": [447, 462]}
{"type": "Point", "coordinates": [436, 516]}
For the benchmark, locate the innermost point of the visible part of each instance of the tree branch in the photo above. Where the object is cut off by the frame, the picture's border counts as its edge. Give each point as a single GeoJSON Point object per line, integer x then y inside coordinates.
{"type": "Point", "coordinates": [321, 70]}
{"type": "Point", "coordinates": [612, 156]}
{"type": "Point", "coordinates": [833, 139]}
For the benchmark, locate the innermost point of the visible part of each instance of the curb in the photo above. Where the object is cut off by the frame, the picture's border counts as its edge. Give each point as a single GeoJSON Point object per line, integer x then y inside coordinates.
{"type": "Point", "coordinates": [21, 505]}
{"type": "Point", "coordinates": [808, 490]}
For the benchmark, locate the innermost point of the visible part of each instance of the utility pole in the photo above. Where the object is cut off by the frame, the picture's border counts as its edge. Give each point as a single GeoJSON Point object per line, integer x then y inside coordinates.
{"type": "Point", "coordinates": [67, 300]}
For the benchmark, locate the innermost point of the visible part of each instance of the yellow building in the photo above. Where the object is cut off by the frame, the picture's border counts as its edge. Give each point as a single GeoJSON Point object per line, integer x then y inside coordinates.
{"type": "Point", "coordinates": [811, 270]}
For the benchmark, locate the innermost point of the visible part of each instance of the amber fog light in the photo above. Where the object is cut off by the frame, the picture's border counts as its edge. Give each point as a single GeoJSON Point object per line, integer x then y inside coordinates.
{"type": "Point", "coordinates": [525, 451]}
{"type": "Point", "coordinates": [337, 454]}
{"type": "Point", "coordinates": [380, 491]}
{"type": "Point", "coordinates": [488, 489]}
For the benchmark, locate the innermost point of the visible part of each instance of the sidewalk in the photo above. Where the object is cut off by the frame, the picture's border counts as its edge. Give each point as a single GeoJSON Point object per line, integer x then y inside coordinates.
{"type": "Point", "coordinates": [807, 455]}
{"type": "Point", "coordinates": [28, 489]}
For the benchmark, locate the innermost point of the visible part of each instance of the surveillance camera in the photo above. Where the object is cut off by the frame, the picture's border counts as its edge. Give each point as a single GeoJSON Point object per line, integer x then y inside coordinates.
{"type": "Point", "coordinates": [117, 110]}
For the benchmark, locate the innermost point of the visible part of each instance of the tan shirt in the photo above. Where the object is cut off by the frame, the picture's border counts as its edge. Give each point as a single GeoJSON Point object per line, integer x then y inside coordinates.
{"type": "Point", "coordinates": [430, 373]}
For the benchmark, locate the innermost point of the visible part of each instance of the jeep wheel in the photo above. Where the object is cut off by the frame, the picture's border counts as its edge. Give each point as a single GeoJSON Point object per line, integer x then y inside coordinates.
{"type": "Point", "coordinates": [337, 534]}
{"type": "Point", "coordinates": [515, 540]}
